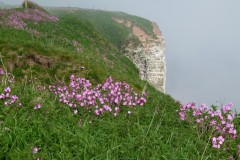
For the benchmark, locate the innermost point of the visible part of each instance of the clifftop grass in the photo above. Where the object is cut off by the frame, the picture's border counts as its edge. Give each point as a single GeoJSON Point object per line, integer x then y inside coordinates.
{"type": "Point", "coordinates": [104, 23]}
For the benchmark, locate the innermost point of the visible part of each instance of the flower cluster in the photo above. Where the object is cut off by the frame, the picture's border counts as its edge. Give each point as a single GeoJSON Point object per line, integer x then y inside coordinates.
{"type": "Point", "coordinates": [2, 72]}
{"type": "Point", "coordinates": [220, 121]}
{"type": "Point", "coordinates": [8, 97]}
{"type": "Point", "coordinates": [36, 16]}
{"type": "Point", "coordinates": [107, 97]}
{"type": "Point", "coordinates": [217, 142]}
{"type": "Point", "coordinates": [15, 22]}
{"type": "Point", "coordinates": [19, 19]}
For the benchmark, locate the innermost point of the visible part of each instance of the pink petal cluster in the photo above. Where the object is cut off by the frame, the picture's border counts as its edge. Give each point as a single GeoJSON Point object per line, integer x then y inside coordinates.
{"type": "Point", "coordinates": [37, 106]}
{"type": "Point", "coordinates": [15, 22]}
{"type": "Point", "coordinates": [107, 97]}
{"type": "Point", "coordinates": [239, 149]}
{"type": "Point", "coordinates": [2, 72]}
{"type": "Point", "coordinates": [220, 120]}
{"type": "Point", "coordinates": [8, 97]}
{"type": "Point", "coordinates": [35, 150]}
{"type": "Point", "coordinates": [217, 142]}
{"type": "Point", "coordinates": [19, 19]}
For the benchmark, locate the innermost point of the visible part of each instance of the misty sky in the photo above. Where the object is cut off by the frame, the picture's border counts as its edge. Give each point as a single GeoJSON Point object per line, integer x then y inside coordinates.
{"type": "Point", "coordinates": [202, 43]}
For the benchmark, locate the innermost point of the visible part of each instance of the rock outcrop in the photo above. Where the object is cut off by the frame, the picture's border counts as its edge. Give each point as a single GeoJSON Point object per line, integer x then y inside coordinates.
{"type": "Point", "coordinates": [147, 53]}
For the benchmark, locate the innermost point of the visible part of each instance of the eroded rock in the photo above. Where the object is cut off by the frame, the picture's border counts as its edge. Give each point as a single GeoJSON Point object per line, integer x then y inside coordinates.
{"type": "Point", "coordinates": [148, 55]}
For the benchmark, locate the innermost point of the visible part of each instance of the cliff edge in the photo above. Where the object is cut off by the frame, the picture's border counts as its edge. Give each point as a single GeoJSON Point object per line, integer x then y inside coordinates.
{"type": "Point", "coordinates": [139, 39]}
{"type": "Point", "coordinates": [147, 53]}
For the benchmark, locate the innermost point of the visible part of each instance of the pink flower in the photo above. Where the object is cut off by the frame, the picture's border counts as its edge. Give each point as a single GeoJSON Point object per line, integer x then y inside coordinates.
{"type": "Point", "coordinates": [223, 122]}
{"type": "Point", "coordinates": [97, 112]}
{"type": "Point", "coordinates": [75, 111]}
{"type": "Point", "coordinates": [101, 110]}
{"type": "Point", "coordinates": [198, 120]}
{"type": "Point", "coordinates": [230, 117]}
{"type": "Point", "coordinates": [239, 149]}
{"type": "Point", "coordinates": [7, 90]}
{"type": "Point", "coordinates": [226, 109]}
{"type": "Point", "coordinates": [35, 150]}
{"type": "Point", "coordinates": [217, 113]}
{"type": "Point", "coordinates": [2, 72]}
{"type": "Point", "coordinates": [230, 104]}
{"type": "Point", "coordinates": [213, 122]}
{"type": "Point", "coordinates": [37, 106]}
{"type": "Point", "coordinates": [203, 107]}
{"type": "Point", "coordinates": [182, 115]}
{"type": "Point", "coordinates": [211, 113]}
{"type": "Point", "coordinates": [220, 139]}
{"type": "Point", "coordinates": [72, 77]}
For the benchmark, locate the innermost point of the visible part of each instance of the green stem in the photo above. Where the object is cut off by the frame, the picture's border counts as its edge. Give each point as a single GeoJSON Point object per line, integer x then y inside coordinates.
{"type": "Point", "coordinates": [207, 144]}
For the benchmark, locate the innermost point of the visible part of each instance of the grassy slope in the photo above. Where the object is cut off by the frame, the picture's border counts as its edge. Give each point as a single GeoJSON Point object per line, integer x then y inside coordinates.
{"type": "Point", "coordinates": [151, 132]}
{"type": "Point", "coordinates": [104, 23]}
{"type": "Point", "coordinates": [58, 45]}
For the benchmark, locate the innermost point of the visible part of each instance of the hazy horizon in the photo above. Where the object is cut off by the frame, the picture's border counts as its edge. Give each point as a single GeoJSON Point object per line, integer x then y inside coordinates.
{"type": "Point", "coordinates": [202, 43]}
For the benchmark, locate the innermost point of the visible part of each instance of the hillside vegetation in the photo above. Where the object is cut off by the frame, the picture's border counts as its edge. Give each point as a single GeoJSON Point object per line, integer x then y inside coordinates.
{"type": "Point", "coordinates": [104, 23]}
{"type": "Point", "coordinates": [41, 117]}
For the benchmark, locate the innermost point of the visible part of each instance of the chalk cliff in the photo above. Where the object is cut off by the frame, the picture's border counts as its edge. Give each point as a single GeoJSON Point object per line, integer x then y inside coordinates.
{"type": "Point", "coordinates": [147, 53]}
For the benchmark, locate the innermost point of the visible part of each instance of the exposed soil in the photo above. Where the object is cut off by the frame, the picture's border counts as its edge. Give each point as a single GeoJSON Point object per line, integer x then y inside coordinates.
{"type": "Point", "coordinates": [156, 30]}
{"type": "Point", "coordinates": [119, 20]}
{"type": "Point", "coordinates": [143, 37]}
{"type": "Point", "coordinates": [43, 61]}
{"type": "Point", "coordinates": [141, 34]}
{"type": "Point", "coordinates": [29, 60]}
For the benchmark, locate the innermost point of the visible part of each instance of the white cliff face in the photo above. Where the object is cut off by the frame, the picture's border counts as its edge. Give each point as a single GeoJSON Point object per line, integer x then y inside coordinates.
{"type": "Point", "coordinates": [148, 56]}
{"type": "Point", "coordinates": [151, 63]}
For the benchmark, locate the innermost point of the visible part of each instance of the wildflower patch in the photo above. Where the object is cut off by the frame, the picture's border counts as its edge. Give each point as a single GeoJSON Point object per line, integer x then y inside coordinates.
{"type": "Point", "coordinates": [19, 19]}
{"type": "Point", "coordinates": [108, 97]}
{"type": "Point", "coordinates": [216, 122]}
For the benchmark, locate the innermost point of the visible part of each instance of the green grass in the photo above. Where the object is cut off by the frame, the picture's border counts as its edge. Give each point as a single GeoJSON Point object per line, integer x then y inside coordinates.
{"type": "Point", "coordinates": [57, 45]}
{"type": "Point", "coordinates": [153, 131]}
